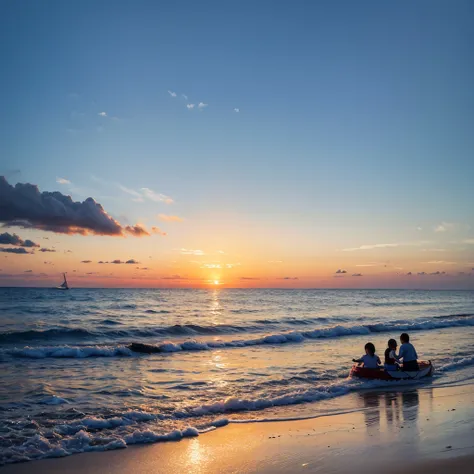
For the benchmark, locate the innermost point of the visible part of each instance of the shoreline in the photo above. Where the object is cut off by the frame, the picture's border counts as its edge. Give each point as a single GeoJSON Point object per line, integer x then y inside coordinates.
{"type": "Point", "coordinates": [429, 428]}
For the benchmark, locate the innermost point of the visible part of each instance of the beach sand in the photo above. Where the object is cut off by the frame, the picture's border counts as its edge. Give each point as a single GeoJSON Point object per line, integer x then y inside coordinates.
{"type": "Point", "coordinates": [408, 431]}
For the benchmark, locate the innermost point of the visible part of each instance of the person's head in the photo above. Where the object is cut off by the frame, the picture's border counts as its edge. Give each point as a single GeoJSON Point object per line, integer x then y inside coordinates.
{"type": "Point", "coordinates": [369, 349]}
{"type": "Point", "coordinates": [392, 343]}
{"type": "Point", "coordinates": [404, 338]}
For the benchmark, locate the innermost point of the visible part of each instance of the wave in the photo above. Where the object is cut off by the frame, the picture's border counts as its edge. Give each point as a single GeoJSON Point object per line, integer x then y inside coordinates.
{"type": "Point", "coordinates": [194, 345]}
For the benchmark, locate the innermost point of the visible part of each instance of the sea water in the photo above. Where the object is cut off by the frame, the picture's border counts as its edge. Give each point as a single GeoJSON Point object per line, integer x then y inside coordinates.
{"type": "Point", "coordinates": [71, 384]}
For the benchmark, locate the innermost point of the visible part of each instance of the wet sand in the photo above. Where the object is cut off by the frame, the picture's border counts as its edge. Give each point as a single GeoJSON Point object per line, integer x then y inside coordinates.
{"type": "Point", "coordinates": [409, 431]}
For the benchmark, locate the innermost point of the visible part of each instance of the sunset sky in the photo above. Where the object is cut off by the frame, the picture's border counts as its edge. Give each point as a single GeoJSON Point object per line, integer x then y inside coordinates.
{"type": "Point", "coordinates": [237, 144]}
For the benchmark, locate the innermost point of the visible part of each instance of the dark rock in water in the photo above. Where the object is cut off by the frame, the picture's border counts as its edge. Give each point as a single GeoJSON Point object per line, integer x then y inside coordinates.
{"type": "Point", "coordinates": [144, 348]}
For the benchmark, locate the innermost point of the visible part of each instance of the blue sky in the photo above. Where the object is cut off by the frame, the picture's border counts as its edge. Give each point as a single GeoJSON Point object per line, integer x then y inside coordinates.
{"type": "Point", "coordinates": [354, 122]}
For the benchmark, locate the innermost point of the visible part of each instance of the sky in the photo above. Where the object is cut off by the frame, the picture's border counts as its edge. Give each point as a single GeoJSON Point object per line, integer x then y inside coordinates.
{"type": "Point", "coordinates": [237, 144]}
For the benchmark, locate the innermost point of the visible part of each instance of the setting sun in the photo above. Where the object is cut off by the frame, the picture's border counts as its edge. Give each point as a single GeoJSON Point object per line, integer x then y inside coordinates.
{"type": "Point", "coordinates": [215, 282]}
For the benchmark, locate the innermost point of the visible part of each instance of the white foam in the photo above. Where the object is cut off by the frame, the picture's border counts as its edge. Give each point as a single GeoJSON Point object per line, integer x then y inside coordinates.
{"type": "Point", "coordinates": [71, 352]}
{"type": "Point", "coordinates": [53, 400]}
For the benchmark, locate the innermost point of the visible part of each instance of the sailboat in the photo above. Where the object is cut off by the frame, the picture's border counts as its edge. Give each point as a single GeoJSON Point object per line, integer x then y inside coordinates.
{"type": "Point", "coordinates": [63, 285]}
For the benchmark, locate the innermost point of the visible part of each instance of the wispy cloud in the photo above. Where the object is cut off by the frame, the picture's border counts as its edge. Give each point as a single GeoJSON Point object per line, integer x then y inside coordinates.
{"type": "Point", "coordinates": [340, 271]}
{"type": "Point", "coordinates": [184, 96]}
{"type": "Point", "coordinates": [370, 264]}
{"type": "Point", "coordinates": [211, 265]}
{"type": "Point", "coordinates": [190, 106]}
{"type": "Point", "coordinates": [357, 274]}
{"type": "Point", "coordinates": [158, 231]}
{"type": "Point", "coordinates": [102, 114]}
{"type": "Point", "coordinates": [237, 110]}
{"type": "Point", "coordinates": [202, 105]}
{"type": "Point", "coordinates": [249, 278]}
{"type": "Point", "coordinates": [468, 241]}
{"type": "Point", "coordinates": [288, 278]}
{"type": "Point", "coordinates": [172, 94]}
{"type": "Point", "coordinates": [146, 193]}
{"type": "Point", "coordinates": [433, 250]}
{"type": "Point", "coordinates": [370, 247]}
{"type": "Point", "coordinates": [168, 218]}
{"type": "Point", "coordinates": [444, 227]}
{"type": "Point", "coordinates": [62, 181]}
{"type": "Point", "coordinates": [44, 249]}
{"type": "Point", "coordinates": [86, 261]}
{"type": "Point", "coordinates": [440, 262]}
{"type": "Point", "coordinates": [191, 252]}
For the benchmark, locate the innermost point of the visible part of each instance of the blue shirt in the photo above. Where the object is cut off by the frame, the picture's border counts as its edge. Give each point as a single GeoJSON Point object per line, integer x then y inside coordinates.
{"type": "Point", "coordinates": [407, 352]}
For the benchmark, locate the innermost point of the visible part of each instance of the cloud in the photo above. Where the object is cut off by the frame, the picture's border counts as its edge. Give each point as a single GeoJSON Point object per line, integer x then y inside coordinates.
{"type": "Point", "coordinates": [357, 274]}
{"type": "Point", "coordinates": [288, 278]}
{"type": "Point", "coordinates": [249, 278]}
{"type": "Point", "coordinates": [202, 105]}
{"type": "Point", "coordinates": [438, 273]}
{"type": "Point", "coordinates": [421, 273]}
{"type": "Point", "coordinates": [172, 94]}
{"type": "Point", "coordinates": [419, 228]}
{"type": "Point", "coordinates": [221, 252]}
{"type": "Point", "coordinates": [237, 110]}
{"type": "Point", "coordinates": [14, 239]}
{"type": "Point", "coordinates": [132, 261]}
{"type": "Point", "coordinates": [63, 181]}
{"type": "Point", "coordinates": [444, 227]}
{"type": "Point", "coordinates": [102, 114]}
{"type": "Point", "coordinates": [190, 106]}
{"type": "Point", "coordinates": [167, 218]}
{"type": "Point", "coordinates": [409, 273]}
{"type": "Point", "coordinates": [370, 247]}
{"type": "Point", "coordinates": [136, 230]}
{"type": "Point", "coordinates": [158, 231]}
{"type": "Point", "coordinates": [92, 273]}
{"type": "Point", "coordinates": [157, 197]}
{"type": "Point", "coordinates": [28, 271]}
{"type": "Point", "coordinates": [174, 277]}
{"type": "Point", "coordinates": [191, 252]}
{"type": "Point", "coordinates": [211, 265]}
{"type": "Point", "coordinates": [116, 261]}
{"type": "Point", "coordinates": [341, 271]}
{"type": "Point", "coordinates": [468, 241]}
{"type": "Point", "coordinates": [146, 193]}
{"type": "Point", "coordinates": [25, 206]}
{"type": "Point", "coordinates": [19, 251]}
{"type": "Point", "coordinates": [87, 261]}
{"type": "Point", "coordinates": [433, 250]}
{"type": "Point", "coordinates": [440, 262]}
{"type": "Point", "coordinates": [44, 249]}
{"type": "Point", "coordinates": [184, 96]}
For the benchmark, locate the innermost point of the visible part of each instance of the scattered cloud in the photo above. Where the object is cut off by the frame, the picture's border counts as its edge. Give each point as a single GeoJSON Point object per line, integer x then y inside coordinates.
{"type": "Point", "coordinates": [237, 110]}
{"type": "Point", "coordinates": [19, 251]}
{"type": "Point", "coordinates": [174, 277]}
{"type": "Point", "coordinates": [136, 230]}
{"type": "Point", "coordinates": [370, 264]}
{"type": "Point", "coordinates": [63, 181]}
{"type": "Point", "coordinates": [117, 262]}
{"type": "Point", "coordinates": [421, 273]}
{"type": "Point", "coordinates": [167, 218]}
{"type": "Point", "coordinates": [25, 206]}
{"type": "Point", "coordinates": [158, 231]}
{"type": "Point", "coordinates": [87, 261]}
{"type": "Point", "coordinates": [132, 261]}
{"type": "Point", "coordinates": [409, 274]}
{"type": "Point", "coordinates": [440, 262]}
{"type": "Point", "coordinates": [444, 227]}
{"type": "Point", "coordinates": [341, 271]}
{"type": "Point", "coordinates": [191, 252]}
{"type": "Point", "coordinates": [44, 249]}
{"type": "Point", "coordinates": [211, 265]}
{"type": "Point", "coordinates": [184, 96]}
{"type": "Point", "coordinates": [13, 239]}
{"type": "Point", "coordinates": [419, 228]}
{"type": "Point", "coordinates": [221, 252]}
{"type": "Point", "coordinates": [28, 271]}
{"type": "Point", "coordinates": [190, 106]}
{"type": "Point", "coordinates": [157, 197]}
{"type": "Point", "coordinates": [357, 274]}
{"type": "Point", "coordinates": [202, 105]}
{"type": "Point", "coordinates": [438, 273]}
{"type": "Point", "coordinates": [249, 278]}
{"type": "Point", "coordinates": [288, 278]}
{"type": "Point", "coordinates": [172, 94]}
{"type": "Point", "coordinates": [468, 241]}
{"type": "Point", "coordinates": [433, 250]}
{"type": "Point", "coordinates": [275, 261]}
{"type": "Point", "coordinates": [370, 247]}
{"type": "Point", "coordinates": [102, 114]}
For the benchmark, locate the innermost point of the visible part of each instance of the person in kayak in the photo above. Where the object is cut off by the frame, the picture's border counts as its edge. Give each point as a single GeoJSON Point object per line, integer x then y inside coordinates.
{"type": "Point", "coordinates": [391, 355]}
{"type": "Point", "coordinates": [407, 354]}
{"type": "Point", "coordinates": [371, 360]}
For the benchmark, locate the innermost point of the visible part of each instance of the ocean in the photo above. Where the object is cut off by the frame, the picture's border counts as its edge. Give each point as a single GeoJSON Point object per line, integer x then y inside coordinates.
{"type": "Point", "coordinates": [71, 384]}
